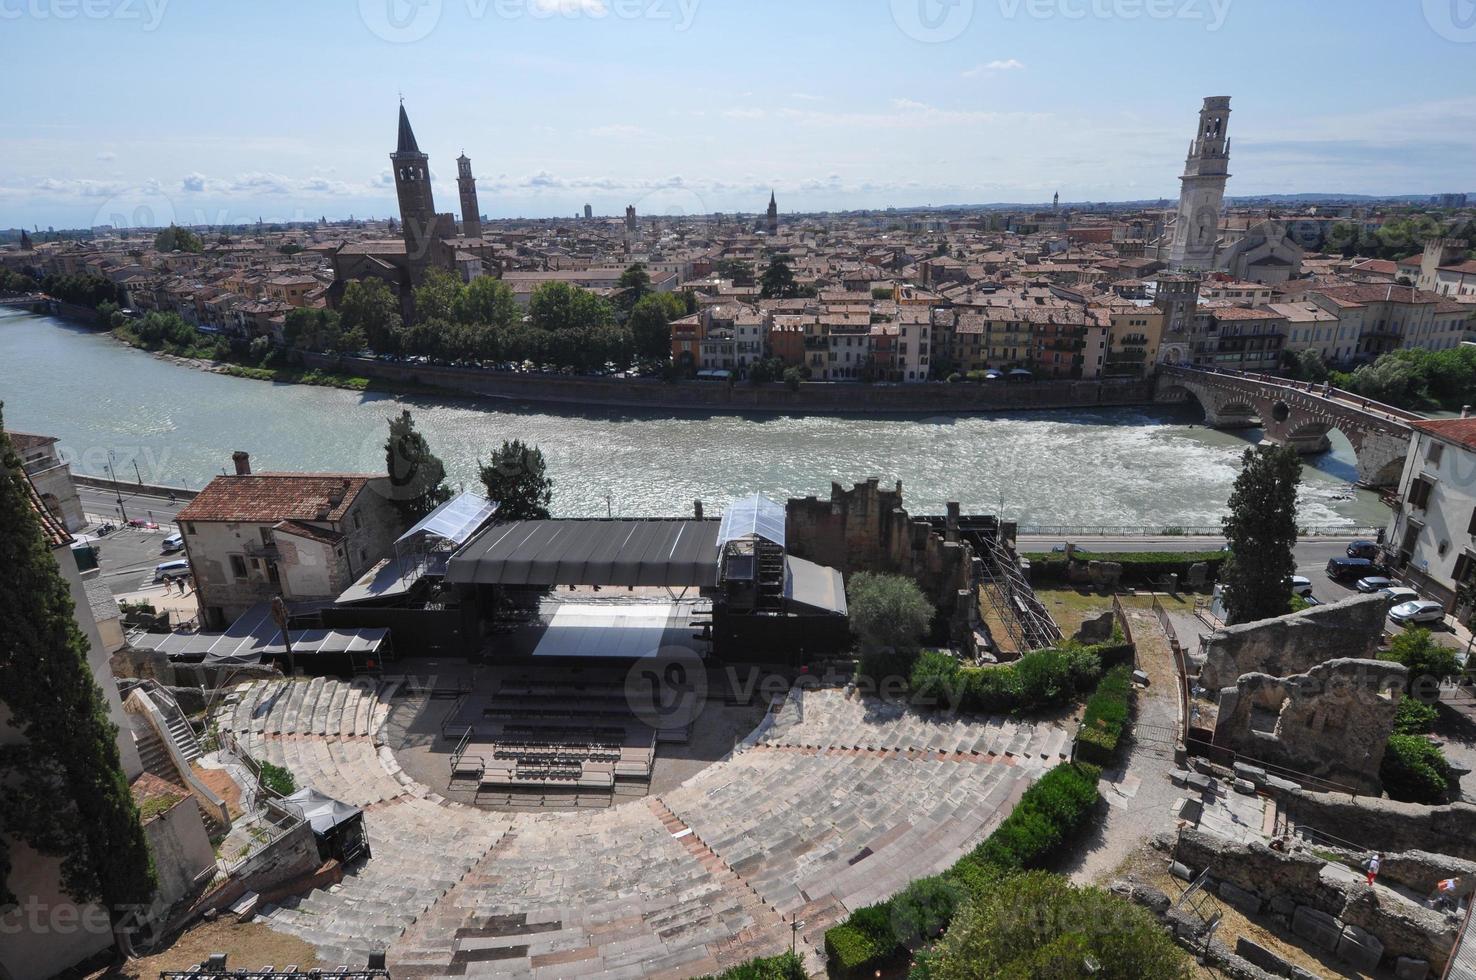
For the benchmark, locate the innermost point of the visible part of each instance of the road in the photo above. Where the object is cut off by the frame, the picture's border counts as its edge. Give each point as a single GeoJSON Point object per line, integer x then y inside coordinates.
{"type": "Point", "coordinates": [128, 555]}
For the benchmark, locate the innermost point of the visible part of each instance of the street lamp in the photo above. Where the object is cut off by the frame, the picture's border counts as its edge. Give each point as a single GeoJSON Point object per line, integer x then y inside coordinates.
{"type": "Point", "coordinates": [112, 469]}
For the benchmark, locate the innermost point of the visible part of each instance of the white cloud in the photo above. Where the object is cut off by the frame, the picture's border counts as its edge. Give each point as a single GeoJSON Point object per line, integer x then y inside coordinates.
{"type": "Point", "coordinates": [193, 182]}
{"type": "Point", "coordinates": [1008, 64]}
{"type": "Point", "coordinates": [744, 112]}
{"type": "Point", "coordinates": [617, 131]}
{"type": "Point", "coordinates": [572, 8]}
{"type": "Point", "coordinates": [107, 156]}
{"type": "Point", "coordinates": [806, 97]}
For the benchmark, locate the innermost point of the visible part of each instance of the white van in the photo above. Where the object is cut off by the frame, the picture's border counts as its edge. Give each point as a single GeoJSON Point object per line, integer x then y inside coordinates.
{"type": "Point", "coordinates": [171, 569]}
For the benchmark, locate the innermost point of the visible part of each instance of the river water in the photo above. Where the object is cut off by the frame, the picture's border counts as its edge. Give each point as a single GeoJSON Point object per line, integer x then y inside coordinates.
{"type": "Point", "coordinates": [1148, 467]}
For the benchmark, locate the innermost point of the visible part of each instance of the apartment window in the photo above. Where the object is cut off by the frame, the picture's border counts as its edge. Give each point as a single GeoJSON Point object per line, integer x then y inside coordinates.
{"type": "Point", "coordinates": [1464, 567]}
{"type": "Point", "coordinates": [238, 566]}
{"type": "Point", "coordinates": [1419, 492]}
{"type": "Point", "coordinates": [1471, 528]}
{"type": "Point", "coordinates": [358, 521]}
{"type": "Point", "coordinates": [1434, 453]}
{"type": "Point", "coordinates": [189, 527]}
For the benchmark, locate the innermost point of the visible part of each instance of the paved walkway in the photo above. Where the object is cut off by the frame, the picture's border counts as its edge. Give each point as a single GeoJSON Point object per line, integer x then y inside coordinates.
{"type": "Point", "coordinates": [1140, 795]}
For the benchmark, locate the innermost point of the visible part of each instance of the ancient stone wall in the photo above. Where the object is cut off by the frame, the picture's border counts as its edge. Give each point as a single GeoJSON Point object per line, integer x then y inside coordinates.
{"type": "Point", "coordinates": [1331, 722]}
{"type": "Point", "coordinates": [1295, 643]}
{"type": "Point", "coordinates": [866, 529]}
{"type": "Point", "coordinates": [1388, 824]}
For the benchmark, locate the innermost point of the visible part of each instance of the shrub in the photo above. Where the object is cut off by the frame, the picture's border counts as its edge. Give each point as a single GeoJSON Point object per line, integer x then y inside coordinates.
{"type": "Point", "coordinates": [855, 953]}
{"type": "Point", "coordinates": [887, 611]}
{"type": "Point", "coordinates": [1107, 713]}
{"type": "Point", "coordinates": [934, 676]}
{"type": "Point", "coordinates": [1428, 662]}
{"type": "Point", "coordinates": [1414, 717]}
{"type": "Point", "coordinates": [1414, 771]}
{"type": "Point", "coordinates": [277, 779]}
{"type": "Point", "coordinates": [1137, 567]}
{"type": "Point", "coordinates": [785, 966]}
{"type": "Point", "coordinates": [1046, 817]}
{"type": "Point", "coordinates": [923, 909]}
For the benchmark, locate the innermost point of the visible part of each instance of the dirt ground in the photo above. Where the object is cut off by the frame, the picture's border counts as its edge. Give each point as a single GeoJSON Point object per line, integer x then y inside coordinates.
{"type": "Point", "coordinates": [247, 946]}
{"type": "Point", "coordinates": [1149, 867]}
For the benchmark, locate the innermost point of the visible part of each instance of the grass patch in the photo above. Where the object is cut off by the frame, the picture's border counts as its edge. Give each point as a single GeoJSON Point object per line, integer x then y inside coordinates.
{"type": "Point", "coordinates": [1107, 713]}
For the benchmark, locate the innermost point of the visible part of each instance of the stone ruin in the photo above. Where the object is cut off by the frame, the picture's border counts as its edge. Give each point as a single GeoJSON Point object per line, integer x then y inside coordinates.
{"type": "Point", "coordinates": [1294, 643]}
{"type": "Point", "coordinates": [866, 529]}
{"type": "Point", "coordinates": [1331, 722]}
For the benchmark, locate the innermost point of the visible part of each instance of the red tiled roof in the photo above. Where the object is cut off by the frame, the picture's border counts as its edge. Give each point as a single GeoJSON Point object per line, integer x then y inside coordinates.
{"type": "Point", "coordinates": [262, 498]}
{"type": "Point", "coordinates": [54, 530]}
{"type": "Point", "coordinates": [1460, 431]}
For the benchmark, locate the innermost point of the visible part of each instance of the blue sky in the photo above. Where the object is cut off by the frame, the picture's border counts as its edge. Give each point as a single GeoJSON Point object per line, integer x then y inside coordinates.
{"type": "Point", "coordinates": [222, 112]}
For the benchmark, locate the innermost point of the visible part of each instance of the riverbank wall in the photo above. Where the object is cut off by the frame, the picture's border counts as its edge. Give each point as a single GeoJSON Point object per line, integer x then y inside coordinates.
{"type": "Point", "coordinates": [146, 489]}
{"type": "Point", "coordinates": [811, 398]}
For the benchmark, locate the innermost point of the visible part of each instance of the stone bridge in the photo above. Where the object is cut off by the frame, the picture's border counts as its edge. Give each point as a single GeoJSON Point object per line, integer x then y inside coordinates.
{"type": "Point", "coordinates": [1297, 414]}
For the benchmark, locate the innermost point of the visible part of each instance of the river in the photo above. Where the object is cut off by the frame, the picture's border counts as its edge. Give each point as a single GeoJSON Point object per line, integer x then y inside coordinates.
{"type": "Point", "coordinates": [178, 425]}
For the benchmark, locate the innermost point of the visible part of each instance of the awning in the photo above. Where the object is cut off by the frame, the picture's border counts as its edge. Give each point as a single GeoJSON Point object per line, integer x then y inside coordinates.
{"type": "Point", "coordinates": [675, 554]}
{"type": "Point", "coordinates": [456, 520]}
{"type": "Point", "coordinates": [322, 812]}
{"type": "Point", "coordinates": [623, 631]}
{"type": "Point", "coordinates": [819, 587]}
{"type": "Point", "coordinates": [753, 516]}
{"type": "Point", "coordinates": [255, 635]}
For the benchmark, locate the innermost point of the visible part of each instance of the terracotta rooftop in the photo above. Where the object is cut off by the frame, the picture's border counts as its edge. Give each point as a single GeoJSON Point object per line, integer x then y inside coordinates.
{"type": "Point", "coordinates": [1459, 431]}
{"type": "Point", "coordinates": [262, 498]}
{"type": "Point", "coordinates": [52, 529]}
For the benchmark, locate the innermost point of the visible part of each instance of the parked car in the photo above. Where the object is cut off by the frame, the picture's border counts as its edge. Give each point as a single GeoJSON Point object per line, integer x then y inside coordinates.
{"type": "Point", "coordinates": [1398, 595]}
{"type": "Point", "coordinates": [1350, 569]}
{"type": "Point", "coordinates": [143, 523]}
{"type": "Point", "coordinates": [1374, 583]}
{"type": "Point", "coordinates": [168, 570]}
{"type": "Point", "coordinates": [1300, 586]}
{"type": "Point", "coordinates": [173, 543]}
{"type": "Point", "coordinates": [1419, 611]}
{"type": "Point", "coordinates": [1364, 549]}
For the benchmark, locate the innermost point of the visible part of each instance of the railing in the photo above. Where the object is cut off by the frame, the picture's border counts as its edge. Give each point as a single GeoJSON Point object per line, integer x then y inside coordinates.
{"type": "Point", "coordinates": [1176, 530]}
{"type": "Point", "coordinates": [1216, 753]}
{"type": "Point", "coordinates": [1120, 614]}
{"type": "Point", "coordinates": [451, 713]}
{"type": "Point", "coordinates": [459, 754]}
{"type": "Point", "coordinates": [1181, 669]}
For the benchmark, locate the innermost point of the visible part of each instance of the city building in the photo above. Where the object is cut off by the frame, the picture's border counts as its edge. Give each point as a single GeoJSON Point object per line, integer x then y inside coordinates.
{"type": "Point", "coordinates": [1202, 191]}
{"type": "Point", "coordinates": [251, 537]}
{"type": "Point", "coordinates": [1432, 533]}
{"type": "Point", "coordinates": [51, 477]}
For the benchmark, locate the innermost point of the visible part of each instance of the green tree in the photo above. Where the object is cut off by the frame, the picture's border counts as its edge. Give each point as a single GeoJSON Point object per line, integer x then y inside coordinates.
{"type": "Point", "coordinates": [634, 285]}
{"type": "Point", "coordinates": [887, 611]}
{"type": "Point", "coordinates": [650, 324]}
{"type": "Point", "coordinates": [174, 239]}
{"type": "Point", "coordinates": [1428, 663]}
{"type": "Point", "coordinates": [489, 301]}
{"type": "Point", "coordinates": [417, 475]}
{"type": "Point", "coordinates": [1305, 365]}
{"type": "Point", "coordinates": [369, 307]}
{"type": "Point", "coordinates": [439, 297]}
{"type": "Point", "coordinates": [793, 376]}
{"type": "Point", "coordinates": [1039, 925]}
{"type": "Point", "coordinates": [65, 792]}
{"type": "Point", "coordinates": [1261, 530]}
{"type": "Point", "coordinates": [516, 479]}
{"type": "Point", "coordinates": [558, 306]}
{"type": "Point", "coordinates": [778, 280]}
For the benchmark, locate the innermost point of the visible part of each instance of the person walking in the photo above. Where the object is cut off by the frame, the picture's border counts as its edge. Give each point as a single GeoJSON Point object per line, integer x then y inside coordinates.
{"type": "Point", "coordinates": [1372, 866]}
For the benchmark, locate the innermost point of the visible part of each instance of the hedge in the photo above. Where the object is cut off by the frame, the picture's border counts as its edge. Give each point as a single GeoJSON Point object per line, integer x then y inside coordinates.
{"type": "Point", "coordinates": [785, 966]}
{"type": "Point", "coordinates": [1138, 567]}
{"type": "Point", "coordinates": [1415, 771]}
{"type": "Point", "coordinates": [1040, 679]}
{"type": "Point", "coordinates": [1107, 713]}
{"type": "Point", "coordinates": [1049, 814]}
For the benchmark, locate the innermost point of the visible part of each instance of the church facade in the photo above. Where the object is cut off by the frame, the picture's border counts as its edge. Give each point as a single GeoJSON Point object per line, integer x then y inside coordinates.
{"type": "Point", "coordinates": [429, 241]}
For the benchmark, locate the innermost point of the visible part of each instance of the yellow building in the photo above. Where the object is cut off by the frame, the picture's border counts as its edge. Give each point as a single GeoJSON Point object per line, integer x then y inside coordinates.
{"type": "Point", "coordinates": [1134, 334]}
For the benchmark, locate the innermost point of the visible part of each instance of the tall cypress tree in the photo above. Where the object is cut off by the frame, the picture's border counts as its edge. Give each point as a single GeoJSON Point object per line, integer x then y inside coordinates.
{"type": "Point", "coordinates": [1262, 531]}
{"type": "Point", "coordinates": [65, 793]}
{"type": "Point", "coordinates": [417, 475]}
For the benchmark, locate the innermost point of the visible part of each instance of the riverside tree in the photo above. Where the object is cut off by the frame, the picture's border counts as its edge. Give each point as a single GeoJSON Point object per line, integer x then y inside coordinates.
{"type": "Point", "coordinates": [417, 475]}
{"type": "Point", "coordinates": [1261, 530]}
{"type": "Point", "coordinates": [516, 479]}
{"type": "Point", "coordinates": [65, 792]}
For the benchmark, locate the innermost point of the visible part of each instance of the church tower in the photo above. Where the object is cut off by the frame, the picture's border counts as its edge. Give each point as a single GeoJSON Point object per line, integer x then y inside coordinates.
{"type": "Point", "coordinates": [471, 215]}
{"type": "Point", "coordinates": [417, 206]}
{"type": "Point", "coordinates": [773, 215]}
{"type": "Point", "coordinates": [1202, 194]}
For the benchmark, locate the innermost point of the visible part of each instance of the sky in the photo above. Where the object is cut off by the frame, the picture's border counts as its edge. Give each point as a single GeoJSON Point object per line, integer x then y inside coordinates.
{"type": "Point", "coordinates": [142, 112]}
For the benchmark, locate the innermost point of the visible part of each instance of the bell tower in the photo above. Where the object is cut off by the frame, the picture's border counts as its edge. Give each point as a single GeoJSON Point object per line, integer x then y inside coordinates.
{"type": "Point", "coordinates": [773, 215]}
{"type": "Point", "coordinates": [1202, 189]}
{"type": "Point", "coordinates": [471, 216]}
{"type": "Point", "coordinates": [417, 206]}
